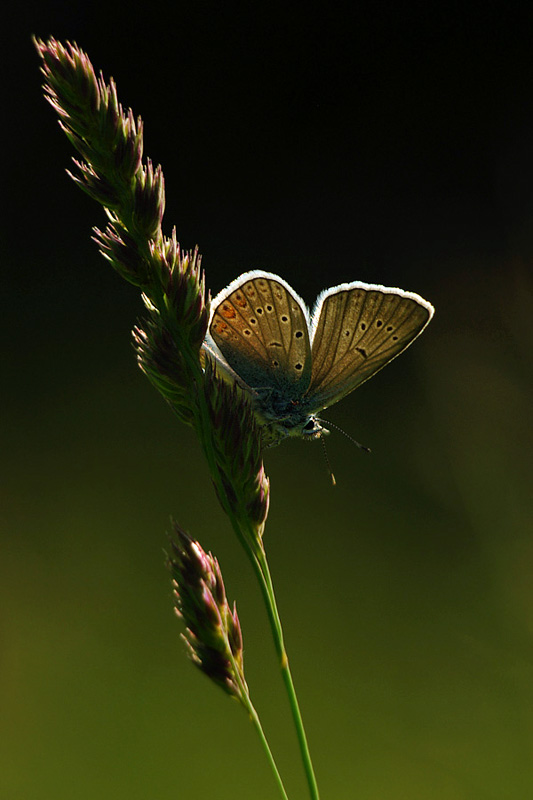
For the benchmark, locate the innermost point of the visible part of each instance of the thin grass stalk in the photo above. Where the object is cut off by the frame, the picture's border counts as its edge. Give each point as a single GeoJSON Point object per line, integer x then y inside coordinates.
{"type": "Point", "coordinates": [256, 722]}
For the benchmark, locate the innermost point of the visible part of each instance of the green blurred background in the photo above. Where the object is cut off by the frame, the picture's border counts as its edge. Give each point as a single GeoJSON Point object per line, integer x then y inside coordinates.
{"type": "Point", "coordinates": [390, 143]}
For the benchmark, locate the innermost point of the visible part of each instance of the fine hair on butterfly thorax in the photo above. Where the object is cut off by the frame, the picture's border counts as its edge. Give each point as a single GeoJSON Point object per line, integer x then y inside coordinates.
{"type": "Point", "coordinates": [293, 363]}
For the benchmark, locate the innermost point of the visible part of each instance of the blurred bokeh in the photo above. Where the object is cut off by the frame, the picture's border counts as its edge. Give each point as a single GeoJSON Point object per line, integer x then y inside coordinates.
{"type": "Point", "coordinates": [381, 142]}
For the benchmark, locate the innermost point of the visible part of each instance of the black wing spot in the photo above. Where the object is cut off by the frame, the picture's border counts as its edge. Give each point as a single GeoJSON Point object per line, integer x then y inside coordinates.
{"type": "Point", "coordinates": [259, 310]}
{"type": "Point", "coordinates": [394, 338]}
{"type": "Point", "coordinates": [247, 332]}
{"type": "Point", "coordinates": [284, 318]}
{"type": "Point", "coordinates": [379, 323]}
{"type": "Point", "coordinates": [362, 351]}
{"type": "Point", "coordinates": [298, 366]}
{"type": "Point", "coordinates": [269, 308]}
{"type": "Point", "coordinates": [347, 333]}
{"type": "Point", "coordinates": [298, 334]}
{"type": "Point", "coordinates": [363, 326]}
{"type": "Point", "coordinates": [275, 363]}
{"type": "Point", "coordinates": [275, 344]}
{"type": "Point", "coordinates": [390, 328]}
{"type": "Point", "coordinates": [253, 321]}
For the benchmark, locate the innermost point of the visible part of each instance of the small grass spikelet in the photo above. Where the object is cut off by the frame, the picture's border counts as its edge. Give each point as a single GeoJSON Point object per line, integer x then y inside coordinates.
{"type": "Point", "coordinates": [213, 635]}
{"type": "Point", "coordinates": [237, 446]}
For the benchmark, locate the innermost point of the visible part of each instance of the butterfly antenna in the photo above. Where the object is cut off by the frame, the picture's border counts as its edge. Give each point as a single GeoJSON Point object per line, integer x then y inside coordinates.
{"type": "Point", "coordinates": [354, 441]}
{"type": "Point", "coordinates": [332, 476]}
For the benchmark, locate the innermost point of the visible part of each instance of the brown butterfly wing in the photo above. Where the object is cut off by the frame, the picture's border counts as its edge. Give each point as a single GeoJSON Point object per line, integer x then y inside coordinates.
{"type": "Point", "coordinates": [260, 325]}
{"type": "Point", "coordinates": [357, 329]}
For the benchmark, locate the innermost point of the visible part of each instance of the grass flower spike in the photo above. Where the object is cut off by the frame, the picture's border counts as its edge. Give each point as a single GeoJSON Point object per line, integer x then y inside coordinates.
{"type": "Point", "coordinates": [173, 354]}
{"type": "Point", "coordinates": [213, 635]}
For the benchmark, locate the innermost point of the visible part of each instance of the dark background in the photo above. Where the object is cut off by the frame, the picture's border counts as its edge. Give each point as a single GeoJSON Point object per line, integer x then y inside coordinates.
{"type": "Point", "coordinates": [390, 143]}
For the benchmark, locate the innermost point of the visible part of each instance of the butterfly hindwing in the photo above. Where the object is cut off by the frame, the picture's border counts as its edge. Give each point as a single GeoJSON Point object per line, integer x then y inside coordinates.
{"type": "Point", "coordinates": [357, 329]}
{"type": "Point", "coordinates": [261, 327]}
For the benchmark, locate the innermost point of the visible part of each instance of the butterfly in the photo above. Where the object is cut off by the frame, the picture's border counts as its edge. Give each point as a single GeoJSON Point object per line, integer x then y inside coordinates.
{"type": "Point", "coordinates": [295, 363]}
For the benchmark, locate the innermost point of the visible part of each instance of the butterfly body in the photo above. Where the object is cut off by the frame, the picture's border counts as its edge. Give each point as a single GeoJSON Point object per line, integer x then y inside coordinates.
{"type": "Point", "coordinates": [294, 363]}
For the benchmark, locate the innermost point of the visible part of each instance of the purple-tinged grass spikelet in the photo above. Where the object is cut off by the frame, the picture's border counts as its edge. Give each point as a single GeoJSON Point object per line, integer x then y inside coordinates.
{"type": "Point", "coordinates": [108, 139]}
{"type": "Point", "coordinates": [237, 445]}
{"type": "Point", "coordinates": [213, 635]}
{"type": "Point", "coordinates": [149, 201]}
{"type": "Point", "coordinates": [161, 361]}
{"type": "Point", "coordinates": [119, 247]}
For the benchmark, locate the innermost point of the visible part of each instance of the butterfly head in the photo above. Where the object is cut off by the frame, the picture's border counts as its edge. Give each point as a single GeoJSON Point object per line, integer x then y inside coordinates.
{"type": "Point", "coordinates": [295, 422]}
{"type": "Point", "coordinates": [313, 429]}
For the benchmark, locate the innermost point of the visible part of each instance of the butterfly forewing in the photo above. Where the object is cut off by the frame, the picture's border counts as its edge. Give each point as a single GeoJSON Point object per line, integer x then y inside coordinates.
{"type": "Point", "coordinates": [261, 327]}
{"type": "Point", "coordinates": [358, 328]}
